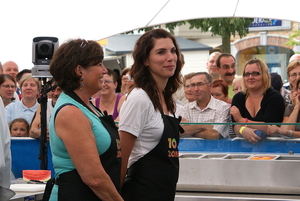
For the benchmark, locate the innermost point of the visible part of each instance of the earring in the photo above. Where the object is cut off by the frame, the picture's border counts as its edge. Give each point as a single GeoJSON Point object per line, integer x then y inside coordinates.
{"type": "Point", "coordinates": [81, 84]}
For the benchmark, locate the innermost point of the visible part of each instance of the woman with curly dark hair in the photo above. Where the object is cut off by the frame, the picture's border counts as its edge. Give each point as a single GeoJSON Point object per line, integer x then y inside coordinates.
{"type": "Point", "coordinates": [148, 130]}
{"type": "Point", "coordinates": [84, 142]}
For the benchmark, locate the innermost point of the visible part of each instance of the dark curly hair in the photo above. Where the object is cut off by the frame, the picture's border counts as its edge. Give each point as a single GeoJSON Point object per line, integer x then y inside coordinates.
{"type": "Point", "coordinates": [71, 54]}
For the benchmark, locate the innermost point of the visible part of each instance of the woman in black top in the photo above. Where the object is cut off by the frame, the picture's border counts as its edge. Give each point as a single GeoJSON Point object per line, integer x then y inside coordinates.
{"type": "Point", "coordinates": [257, 103]}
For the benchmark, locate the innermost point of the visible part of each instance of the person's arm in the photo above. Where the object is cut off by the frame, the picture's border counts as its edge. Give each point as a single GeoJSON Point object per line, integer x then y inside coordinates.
{"type": "Point", "coordinates": [294, 134]}
{"type": "Point", "coordinates": [193, 129]}
{"type": "Point", "coordinates": [127, 141]}
{"type": "Point", "coordinates": [81, 146]}
{"type": "Point", "coordinates": [293, 118]}
{"type": "Point", "coordinates": [246, 132]}
{"type": "Point", "coordinates": [35, 131]}
{"type": "Point", "coordinates": [235, 110]}
{"type": "Point", "coordinates": [288, 130]}
{"type": "Point", "coordinates": [209, 134]}
{"type": "Point", "coordinates": [124, 84]}
{"type": "Point", "coordinates": [285, 119]}
{"type": "Point", "coordinates": [121, 101]}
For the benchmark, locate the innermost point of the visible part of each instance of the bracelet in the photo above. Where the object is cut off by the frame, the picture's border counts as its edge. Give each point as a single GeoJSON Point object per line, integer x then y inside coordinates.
{"type": "Point", "coordinates": [246, 121]}
{"type": "Point", "coordinates": [241, 129]}
{"type": "Point", "coordinates": [291, 134]}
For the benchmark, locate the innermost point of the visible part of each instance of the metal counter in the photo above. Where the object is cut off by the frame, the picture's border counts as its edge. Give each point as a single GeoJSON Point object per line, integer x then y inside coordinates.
{"type": "Point", "coordinates": [239, 173]}
{"type": "Point", "coordinates": [224, 170]}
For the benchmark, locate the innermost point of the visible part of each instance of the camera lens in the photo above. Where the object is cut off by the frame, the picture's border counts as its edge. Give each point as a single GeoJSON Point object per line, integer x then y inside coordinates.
{"type": "Point", "coordinates": [44, 48]}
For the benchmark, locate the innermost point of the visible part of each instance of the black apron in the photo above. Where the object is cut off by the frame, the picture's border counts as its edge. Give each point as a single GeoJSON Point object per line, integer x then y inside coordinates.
{"type": "Point", "coordinates": [70, 185]}
{"type": "Point", "coordinates": [154, 176]}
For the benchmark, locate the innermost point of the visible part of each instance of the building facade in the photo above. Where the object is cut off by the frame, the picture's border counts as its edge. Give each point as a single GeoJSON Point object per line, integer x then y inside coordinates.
{"type": "Point", "coordinates": [267, 40]}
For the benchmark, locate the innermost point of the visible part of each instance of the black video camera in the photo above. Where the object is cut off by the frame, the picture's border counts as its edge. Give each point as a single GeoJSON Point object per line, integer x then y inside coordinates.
{"type": "Point", "coordinates": [42, 52]}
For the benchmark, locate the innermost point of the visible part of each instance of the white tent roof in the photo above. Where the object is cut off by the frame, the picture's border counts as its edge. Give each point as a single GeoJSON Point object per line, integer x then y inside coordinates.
{"type": "Point", "coordinates": [21, 20]}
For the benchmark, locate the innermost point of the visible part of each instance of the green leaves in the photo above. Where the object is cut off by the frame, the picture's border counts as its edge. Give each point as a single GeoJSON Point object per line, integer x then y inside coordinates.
{"type": "Point", "coordinates": [224, 27]}
{"type": "Point", "coordinates": [292, 38]}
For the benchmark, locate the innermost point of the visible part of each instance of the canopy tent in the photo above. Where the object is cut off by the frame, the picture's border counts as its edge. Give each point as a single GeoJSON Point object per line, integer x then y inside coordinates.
{"type": "Point", "coordinates": [21, 21]}
{"type": "Point", "coordinates": [98, 19]}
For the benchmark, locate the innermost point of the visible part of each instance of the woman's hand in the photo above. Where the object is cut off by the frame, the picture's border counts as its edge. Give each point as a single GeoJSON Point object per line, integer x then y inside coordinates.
{"type": "Point", "coordinates": [296, 101]}
{"type": "Point", "coordinates": [235, 112]}
{"type": "Point", "coordinates": [273, 130]}
{"type": "Point", "coordinates": [250, 136]}
{"type": "Point", "coordinates": [124, 80]}
{"type": "Point", "coordinates": [294, 96]}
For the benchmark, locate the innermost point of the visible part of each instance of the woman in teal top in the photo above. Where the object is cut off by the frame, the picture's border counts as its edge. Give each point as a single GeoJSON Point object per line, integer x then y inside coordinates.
{"type": "Point", "coordinates": [84, 142]}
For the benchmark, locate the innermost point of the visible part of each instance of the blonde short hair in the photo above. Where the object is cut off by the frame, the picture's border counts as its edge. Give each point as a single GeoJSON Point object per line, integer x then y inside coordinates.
{"type": "Point", "coordinates": [264, 72]}
{"type": "Point", "coordinates": [28, 76]}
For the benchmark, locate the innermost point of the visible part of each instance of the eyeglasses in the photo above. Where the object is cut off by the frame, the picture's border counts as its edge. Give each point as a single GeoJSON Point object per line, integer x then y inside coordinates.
{"type": "Point", "coordinates": [9, 86]}
{"type": "Point", "coordinates": [107, 81]}
{"type": "Point", "coordinates": [198, 84]}
{"type": "Point", "coordinates": [187, 86]}
{"type": "Point", "coordinates": [254, 74]}
{"type": "Point", "coordinates": [295, 75]}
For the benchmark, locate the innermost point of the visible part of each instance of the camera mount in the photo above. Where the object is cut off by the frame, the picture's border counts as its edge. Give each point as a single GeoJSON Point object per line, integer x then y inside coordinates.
{"type": "Point", "coordinates": [42, 53]}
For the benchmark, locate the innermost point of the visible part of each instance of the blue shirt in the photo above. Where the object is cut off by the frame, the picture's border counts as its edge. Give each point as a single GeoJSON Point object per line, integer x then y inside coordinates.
{"type": "Point", "coordinates": [19, 110]}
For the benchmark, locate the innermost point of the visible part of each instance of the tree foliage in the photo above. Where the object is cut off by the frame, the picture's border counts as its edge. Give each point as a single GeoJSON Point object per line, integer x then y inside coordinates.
{"type": "Point", "coordinates": [292, 40]}
{"type": "Point", "coordinates": [224, 27]}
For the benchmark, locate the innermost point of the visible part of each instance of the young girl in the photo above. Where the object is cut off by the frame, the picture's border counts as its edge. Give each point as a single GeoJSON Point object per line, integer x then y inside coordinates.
{"type": "Point", "coordinates": [19, 128]}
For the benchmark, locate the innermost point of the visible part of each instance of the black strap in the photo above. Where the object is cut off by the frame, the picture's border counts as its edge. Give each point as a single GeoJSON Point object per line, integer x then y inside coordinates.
{"type": "Point", "coordinates": [48, 189]}
{"type": "Point", "coordinates": [60, 107]}
{"type": "Point", "coordinates": [181, 130]}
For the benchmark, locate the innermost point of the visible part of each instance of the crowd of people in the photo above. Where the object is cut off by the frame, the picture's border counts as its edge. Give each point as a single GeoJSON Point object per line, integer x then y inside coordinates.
{"type": "Point", "coordinates": [141, 120]}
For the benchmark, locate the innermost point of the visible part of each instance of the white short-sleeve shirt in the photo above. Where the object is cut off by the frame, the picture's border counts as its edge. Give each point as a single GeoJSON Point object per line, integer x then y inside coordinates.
{"type": "Point", "coordinates": [138, 117]}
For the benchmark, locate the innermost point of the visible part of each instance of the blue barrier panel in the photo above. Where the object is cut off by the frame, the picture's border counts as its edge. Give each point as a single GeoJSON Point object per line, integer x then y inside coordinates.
{"type": "Point", "coordinates": [239, 145]}
{"type": "Point", "coordinates": [25, 156]}
{"type": "Point", "coordinates": [25, 152]}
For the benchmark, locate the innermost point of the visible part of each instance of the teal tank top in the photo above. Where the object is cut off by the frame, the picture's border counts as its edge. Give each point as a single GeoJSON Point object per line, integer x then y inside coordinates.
{"type": "Point", "coordinates": [61, 159]}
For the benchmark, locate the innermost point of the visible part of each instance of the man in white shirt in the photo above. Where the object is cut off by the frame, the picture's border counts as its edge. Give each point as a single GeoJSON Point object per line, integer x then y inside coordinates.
{"type": "Point", "coordinates": [205, 109]}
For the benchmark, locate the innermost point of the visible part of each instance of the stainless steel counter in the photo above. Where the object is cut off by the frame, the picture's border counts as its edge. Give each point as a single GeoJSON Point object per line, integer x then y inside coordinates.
{"type": "Point", "coordinates": [237, 173]}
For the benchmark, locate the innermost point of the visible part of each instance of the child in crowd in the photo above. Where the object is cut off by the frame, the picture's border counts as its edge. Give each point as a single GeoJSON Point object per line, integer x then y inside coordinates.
{"type": "Point", "coordinates": [19, 128]}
